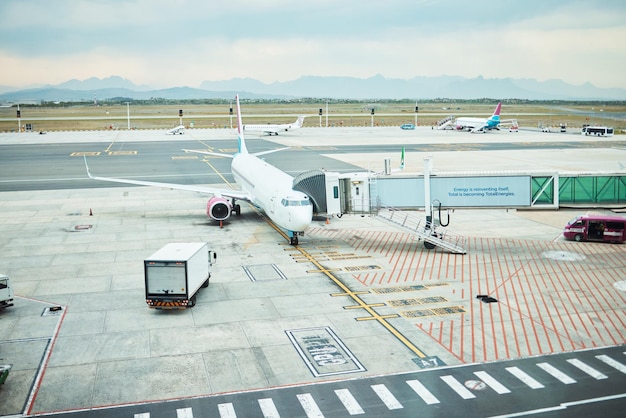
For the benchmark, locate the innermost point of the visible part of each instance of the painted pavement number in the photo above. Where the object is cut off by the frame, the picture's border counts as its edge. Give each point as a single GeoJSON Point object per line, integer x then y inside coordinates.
{"type": "Point", "coordinates": [323, 352]}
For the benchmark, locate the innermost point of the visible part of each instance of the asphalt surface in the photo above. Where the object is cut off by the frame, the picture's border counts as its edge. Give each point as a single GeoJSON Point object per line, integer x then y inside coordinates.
{"type": "Point", "coordinates": [356, 291]}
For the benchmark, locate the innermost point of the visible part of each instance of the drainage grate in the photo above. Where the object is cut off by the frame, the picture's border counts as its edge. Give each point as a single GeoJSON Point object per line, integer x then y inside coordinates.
{"type": "Point", "coordinates": [52, 311]}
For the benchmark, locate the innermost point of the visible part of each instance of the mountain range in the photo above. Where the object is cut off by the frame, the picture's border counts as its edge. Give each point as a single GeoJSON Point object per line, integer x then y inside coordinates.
{"type": "Point", "coordinates": [373, 88]}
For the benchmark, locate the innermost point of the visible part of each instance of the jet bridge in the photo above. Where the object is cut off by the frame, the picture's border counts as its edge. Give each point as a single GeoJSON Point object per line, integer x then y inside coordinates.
{"type": "Point", "coordinates": [334, 193]}
{"type": "Point", "coordinates": [322, 187]}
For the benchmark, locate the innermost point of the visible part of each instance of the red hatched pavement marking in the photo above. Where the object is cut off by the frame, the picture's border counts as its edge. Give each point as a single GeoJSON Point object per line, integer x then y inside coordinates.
{"type": "Point", "coordinates": [544, 305]}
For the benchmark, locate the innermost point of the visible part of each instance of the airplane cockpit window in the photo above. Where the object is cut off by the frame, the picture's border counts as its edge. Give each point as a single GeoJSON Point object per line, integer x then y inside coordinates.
{"type": "Point", "coordinates": [286, 202]}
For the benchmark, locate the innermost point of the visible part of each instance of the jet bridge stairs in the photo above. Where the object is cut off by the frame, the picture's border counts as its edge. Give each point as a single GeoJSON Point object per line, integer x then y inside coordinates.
{"type": "Point", "coordinates": [332, 195]}
{"type": "Point", "coordinates": [424, 230]}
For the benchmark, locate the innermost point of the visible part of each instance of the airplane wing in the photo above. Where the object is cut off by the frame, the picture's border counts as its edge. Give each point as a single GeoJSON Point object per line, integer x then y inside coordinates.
{"type": "Point", "coordinates": [508, 122]}
{"type": "Point", "coordinates": [217, 154]}
{"type": "Point", "coordinates": [237, 194]}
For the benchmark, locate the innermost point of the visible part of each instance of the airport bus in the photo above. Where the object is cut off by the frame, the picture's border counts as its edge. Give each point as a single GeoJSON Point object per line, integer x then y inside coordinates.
{"type": "Point", "coordinates": [597, 130]}
{"type": "Point", "coordinates": [596, 228]}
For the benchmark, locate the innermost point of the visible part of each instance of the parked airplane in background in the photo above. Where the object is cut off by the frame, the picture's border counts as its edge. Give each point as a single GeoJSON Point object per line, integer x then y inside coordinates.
{"type": "Point", "coordinates": [262, 184]}
{"type": "Point", "coordinates": [179, 130]}
{"type": "Point", "coordinates": [480, 124]}
{"type": "Point", "coordinates": [272, 129]}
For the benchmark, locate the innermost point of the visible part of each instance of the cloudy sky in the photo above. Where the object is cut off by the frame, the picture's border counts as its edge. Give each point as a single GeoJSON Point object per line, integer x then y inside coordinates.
{"type": "Point", "coordinates": [165, 43]}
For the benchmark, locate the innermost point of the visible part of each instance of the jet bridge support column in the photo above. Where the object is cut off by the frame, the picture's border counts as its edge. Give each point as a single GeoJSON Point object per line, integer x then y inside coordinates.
{"type": "Point", "coordinates": [427, 205]}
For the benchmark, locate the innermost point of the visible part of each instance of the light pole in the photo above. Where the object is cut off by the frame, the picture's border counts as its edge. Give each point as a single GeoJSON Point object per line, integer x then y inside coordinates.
{"type": "Point", "coordinates": [128, 115]}
{"type": "Point", "coordinates": [327, 113]}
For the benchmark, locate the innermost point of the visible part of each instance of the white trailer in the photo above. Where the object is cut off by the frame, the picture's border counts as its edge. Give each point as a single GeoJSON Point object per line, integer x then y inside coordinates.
{"type": "Point", "coordinates": [6, 292]}
{"type": "Point", "coordinates": [175, 274]}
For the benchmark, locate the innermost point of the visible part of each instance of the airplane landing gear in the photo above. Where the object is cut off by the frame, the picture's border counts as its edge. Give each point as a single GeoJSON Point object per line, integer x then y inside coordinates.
{"type": "Point", "coordinates": [236, 208]}
{"type": "Point", "coordinates": [293, 240]}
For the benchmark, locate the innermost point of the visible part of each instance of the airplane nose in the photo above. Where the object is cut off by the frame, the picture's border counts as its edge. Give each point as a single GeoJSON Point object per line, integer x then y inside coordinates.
{"type": "Point", "coordinates": [300, 218]}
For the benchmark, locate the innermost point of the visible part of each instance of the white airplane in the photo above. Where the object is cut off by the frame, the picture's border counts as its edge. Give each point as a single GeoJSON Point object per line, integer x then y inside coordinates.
{"type": "Point", "coordinates": [262, 184]}
{"type": "Point", "coordinates": [179, 130]}
{"type": "Point", "coordinates": [480, 124]}
{"type": "Point", "coordinates": [273, 129]}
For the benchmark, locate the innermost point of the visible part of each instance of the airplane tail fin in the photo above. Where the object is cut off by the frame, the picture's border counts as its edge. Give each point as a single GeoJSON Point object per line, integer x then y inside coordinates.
{"type": "Point", "coordinates": [498, 108]}
{"type": "Point", "coordinates": [496, 113]}
{"type": "Point", "coordinates": [240, 138]}
{"type": "Point", "coordinates": [402, 160]}
{"type": "Point", "coordinates": [299, 122]}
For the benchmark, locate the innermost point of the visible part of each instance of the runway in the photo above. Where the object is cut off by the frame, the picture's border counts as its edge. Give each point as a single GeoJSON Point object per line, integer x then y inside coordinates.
{"type": "Point", "coordinates": [373, 293]}
{"type": "Point", "coordinates": [55, 160]}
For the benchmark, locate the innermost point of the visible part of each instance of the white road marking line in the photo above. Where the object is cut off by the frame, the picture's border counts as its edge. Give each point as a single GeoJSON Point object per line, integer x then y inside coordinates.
{"type": "Point", "coordinates": [526, 379]}
{"type": "Point", "coordinates": [587, 369]}
{"type": "Point", "coordinates": [613, 363]}
{"type": "Point", "coordinates": [226, 410]}
{"type": "Point", "coordinates": [310, 407]}
{"type": "Point", "coordinates": [268, 408]}
{"type": "Point", "coordinates": [346, 398]}
{"type": "Point", "coordinates": [492, 383]}
{"type": "Point", "coordinates": [387, 397]}
{"type": "Point", "coordinates": [184, 413]}
{"type": "Point", "coordinates": [142, 415]}
{"type": "Point", "coordinates": [560, 407]}
{"type": "Point", "coordinates": [456, 386]}
{"type": "Point", "coordinates": [423, 393]}
{"type": "Point", "coordinates": [550, 369]}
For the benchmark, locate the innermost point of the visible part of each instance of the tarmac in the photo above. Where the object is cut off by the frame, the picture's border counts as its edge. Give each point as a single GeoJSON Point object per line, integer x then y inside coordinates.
{"type": "Point", "coordinates": [374, 294]}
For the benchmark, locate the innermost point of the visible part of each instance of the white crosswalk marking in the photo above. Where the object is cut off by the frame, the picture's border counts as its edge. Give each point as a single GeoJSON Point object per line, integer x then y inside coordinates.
{"type": "Point", "coordinates": [143, 415]}
{"type": "Point", "coordinates": [456, 386]}
{"type": "Point", "coordinates": [587, 369]}
{"type": "Point", "coordinates": [526, 379]}
{"type": "Point", "coordinates": [387, 397]}
{"type": "Point", "coordinates": [226, 410]}
{"type": "Point", "coordinates": [310, 407]}
{"type": "Point", "coordinates": [184, 413]}
{"type": "Point", "coordinates": [346, 398]}
{"type": "Point", "coordinates": [268, 408]}
{"type": "Point", "coordinates": [423, 393]}
{"type": "Point", "coordinates": [613, 363]}
{"type": "Point", "coordinates": [550, 369]}
{"type": "Point", "coordinates": [492, 383]}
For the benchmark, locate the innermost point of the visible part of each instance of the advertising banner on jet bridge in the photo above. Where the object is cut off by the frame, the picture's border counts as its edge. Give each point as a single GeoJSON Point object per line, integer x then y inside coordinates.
{"type": "Point", "coordinates": [505, 191]}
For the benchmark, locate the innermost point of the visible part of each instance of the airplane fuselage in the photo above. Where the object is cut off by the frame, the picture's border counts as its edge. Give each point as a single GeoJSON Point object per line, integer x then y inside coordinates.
{"type": "Point", "coordinates": [271, 189]}
{"type": "Point", "coordinates": [274, 129]}
{"type": "Point", "coordinates": [471, 123]}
